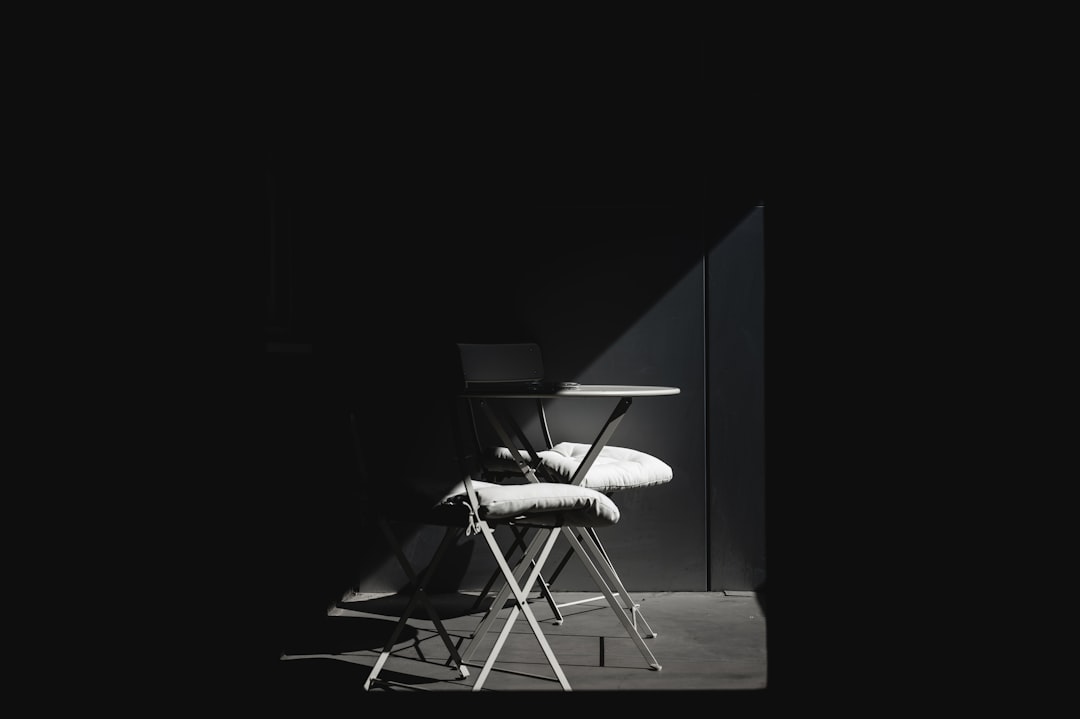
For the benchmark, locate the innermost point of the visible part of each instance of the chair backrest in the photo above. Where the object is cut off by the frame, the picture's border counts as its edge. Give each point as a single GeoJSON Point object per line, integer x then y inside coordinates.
{"type": "Point", "coordinates": [502, 363]}
{"type": "Point", "coordinates": [512, 362]}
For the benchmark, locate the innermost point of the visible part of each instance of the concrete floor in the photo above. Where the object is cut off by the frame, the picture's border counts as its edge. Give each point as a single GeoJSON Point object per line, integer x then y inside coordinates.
{"type": "Point", "coordinates": [706, 641]}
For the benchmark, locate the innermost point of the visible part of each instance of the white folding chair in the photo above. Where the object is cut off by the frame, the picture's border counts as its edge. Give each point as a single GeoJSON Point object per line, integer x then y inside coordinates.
{"type": "Point", "coordinates": [613, 470]}
{"type": "Point", "coordinates": [475, 507]}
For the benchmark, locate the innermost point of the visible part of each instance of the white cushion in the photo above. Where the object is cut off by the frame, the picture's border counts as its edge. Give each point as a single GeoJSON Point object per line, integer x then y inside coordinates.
{"type": "Point", "coordinates": [545, 504]}
{"type": "Point", "coordinates": [616, 468]}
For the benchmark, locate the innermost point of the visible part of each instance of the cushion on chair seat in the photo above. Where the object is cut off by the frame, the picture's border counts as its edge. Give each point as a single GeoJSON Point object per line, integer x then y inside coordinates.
{"type": "Point", "coordinates": [544, 504]}
{"type": "Point", "coordinates": [615, 469]}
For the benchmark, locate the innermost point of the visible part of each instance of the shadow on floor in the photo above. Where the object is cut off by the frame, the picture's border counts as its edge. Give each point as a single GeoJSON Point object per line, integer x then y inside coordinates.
{"type": "Point", "coordinates": [447, 605]}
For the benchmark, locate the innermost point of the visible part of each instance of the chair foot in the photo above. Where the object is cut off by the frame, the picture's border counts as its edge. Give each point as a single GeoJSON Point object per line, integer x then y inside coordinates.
{"type": "Point", "coordinates": [651, 636]}
{"type": "Point", "coordinates": [655, 667]}
{"type": "Point", "coordinates": [557, 622]}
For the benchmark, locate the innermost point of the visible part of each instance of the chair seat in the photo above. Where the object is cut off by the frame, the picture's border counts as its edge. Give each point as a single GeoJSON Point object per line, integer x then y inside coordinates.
{"type": "Point", "coordinates": [543, 505]}
{"type": "Point", "coordinates": [616, 468]}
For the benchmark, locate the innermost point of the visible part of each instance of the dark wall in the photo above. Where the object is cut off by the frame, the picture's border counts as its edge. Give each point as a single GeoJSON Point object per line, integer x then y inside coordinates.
{"type": "Point", "coordinates": [565, 189]}
{"type": "Point", "coordinates": [635, 316]}
{"type": "Point", "coordinates": [561, 200]}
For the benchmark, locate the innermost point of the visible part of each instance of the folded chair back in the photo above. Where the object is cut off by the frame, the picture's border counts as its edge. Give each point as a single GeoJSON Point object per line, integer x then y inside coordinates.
{"type": "Point", "coordinates": [520, 362]}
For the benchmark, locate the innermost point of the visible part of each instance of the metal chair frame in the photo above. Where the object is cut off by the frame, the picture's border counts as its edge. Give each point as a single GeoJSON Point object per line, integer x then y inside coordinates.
{"type": "Point", "coordinates": [523, 363]}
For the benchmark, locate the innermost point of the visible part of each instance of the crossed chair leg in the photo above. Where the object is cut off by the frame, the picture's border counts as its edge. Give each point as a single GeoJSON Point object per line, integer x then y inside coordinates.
{"type": "Point", "coordinates": [542, 544]}
{"type": "Point", "coordinates": [596, 563]}
{"type": "Point", "coordinates": [419, 596]}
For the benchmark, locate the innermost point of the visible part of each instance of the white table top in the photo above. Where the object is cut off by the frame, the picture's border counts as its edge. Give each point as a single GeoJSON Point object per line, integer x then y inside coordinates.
{"type": "Point", "coordinates": [581, 390]}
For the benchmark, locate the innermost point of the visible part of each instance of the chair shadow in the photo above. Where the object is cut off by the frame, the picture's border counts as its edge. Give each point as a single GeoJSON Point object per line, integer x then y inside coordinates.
{"type": "Point", "coordinates": [341, 635]}
{"type": "Point", "coordinates": [305, 667]}
{"type": "Point", "coordinates": [448, 605]}
{"type": "Point", "coordinates": [305, 670]}
{"type": "Point", "coordinates": [321, 686]}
